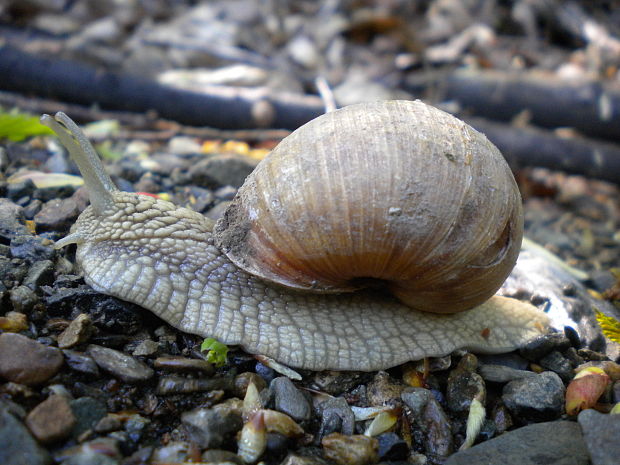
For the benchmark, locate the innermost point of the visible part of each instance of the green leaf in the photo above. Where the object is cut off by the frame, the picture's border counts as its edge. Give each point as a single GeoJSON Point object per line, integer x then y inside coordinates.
{"type": "Point", "coordinates": [217, 351]}
{"type": "Point", "coordinates": [17, 126]}
{"type": "Point", "coordinates": [609, 325]}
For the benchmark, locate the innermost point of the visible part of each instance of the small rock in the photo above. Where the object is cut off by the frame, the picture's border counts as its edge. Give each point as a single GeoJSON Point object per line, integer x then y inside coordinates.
{"type": "Point", "coordinates": [432, 420]}
{"type": "Point", "coordinates": [180, 385]}
{"type": "Point", "coordinates": [601, 433]}
{"type": "Point", "coordinates": [110, 422]}
{"type": "Point", "coordinates": [536, 398]}
{"type": "Point", "coordinates": [81, 362]}
{"type": "Point", "coordinates": [173, 452]}
{"type": "Point", "coordinates": [210, 427]}
{"type": "Point", "coordinates": [542, 345]}
{"type": "Point", "coordinates": [23, 299]}
{"type": "Point", "coordinates": [298, 459]}
{"type": "Point", "coordinates": [13, 322]}
{"type": "Point", "coordinates": [351, 450]}
{"type": "Point", "coordinates": [123, 366]}
{"type": "Point", "coordinates": [501, 418]}
{"type": "Point", "coordinates": [384, 390]}
{"type": "Point", "coordinates": [25, 361]}
{"type": "Point", "coordinates": [502, 374]}
{"type": "Point", "coordinates": [12, 220]}
{"type": "Point", "coordinates": [464, 384]}
{"type": "Point", "coordinates": [57, 215]}
{"type": "Point", "coordinates": [40, 273]}
{"type": "Point", "coordinates": [88, 412]}
{"type": "Point", "coordinates": [556, 362]}
{"type": "Point", "coordinates": [222, 170]}
{"type": "Point", "coordinates": [17, 446]}
{"type": "Point", "coordinates": [392, 447]}
{"type": "Point", "coordinates": [336, 415]}
{"type": "Point", "coordinates": [221, 456]}
{"type": "Point", "coordinates": [146, 348]}
{"type": "Point", "coordinates": [217, 211]}
{"type": "Point", "coordinates": [243, 380]}
{"type": "Point", "coordinates": [78, 331]}
{"type": "Point", "coordinates": [32, 248]}
{"type": "Point", "coordinates": [100, 451]}
{"type": "Point", "coordinates": [51, 420]}
{"type": "Point", "coordinates": [290, 400]}
{"type": "Point", "coordinates": [184, 364]}
{"type": "Point", "coordinates": [557, 443]}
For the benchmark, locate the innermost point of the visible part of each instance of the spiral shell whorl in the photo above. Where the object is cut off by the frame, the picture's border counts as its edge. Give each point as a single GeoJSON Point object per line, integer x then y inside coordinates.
{"type": "Point", "coordinates": [398, 193]}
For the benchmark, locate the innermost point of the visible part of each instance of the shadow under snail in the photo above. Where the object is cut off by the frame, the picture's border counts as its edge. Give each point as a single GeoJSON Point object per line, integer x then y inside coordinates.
{"type": "Point", "coordinates": [335, 251]}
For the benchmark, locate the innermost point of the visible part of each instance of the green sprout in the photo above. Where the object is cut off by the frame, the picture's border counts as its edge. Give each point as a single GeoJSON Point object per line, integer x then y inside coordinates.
{"type": "Point", "coordinates": [217, 351]}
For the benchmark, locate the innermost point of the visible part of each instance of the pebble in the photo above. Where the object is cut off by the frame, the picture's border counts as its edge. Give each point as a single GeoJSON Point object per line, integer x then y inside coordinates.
{"type": "Point", "coordinates": [41, 273]}
{"type": "Point", "coordinates": [210, 427]}
{"type": "Point", "coordinates": [88, 412]}
{"type": "Point", "coordinates": [81, 362]}
{"type": "Point", "coordinates": [350, 450]}
{"type": "Point", "coordinates": [78, 332]}
{"type": "Point", "coordinates": [384, 390]}
{"type": "Point", "coordinates": [290, 400]}
{"type": "Point", "coordinates": [298, 459]}
{"type": "Point", "coordinates": [392, 447]}
{"type": "Point", "coordinates": [174, 452]}
{"type": "Point", "coordinates": [123, 366]}
{"type": "Point", "coordinates": [536, 399]}
{"type": "Point", "coordinates": [184, 364]}
{"type": "Point", "coordinates": [17, 446]}
{"type": "Point", "coordinates": [100, 451]}
{"type": "Point", "coordinates": [556, 362]}
{"type": "Point", "coordinates": [221, 456]}
{"type": "Point", "coordinates": [336, 415]}
{"type": "Point", "coordinates": [146, 348]}
{"type": "Point", "coordinates": [243, 380]}
{"type": "Point", "coordinates": [12, 220]}
{"type": "Point", "coordinates": [464, 384]}
{"type": "Point", "coordinates": [503, 374]}
{"type": "Point", "coordinates": [51, 420]}
{"type": "Point", "coordinates": [337, 382]}
{"type": "Point", "coordinates": [542, 345]}
{"type": "Point", "coordinates": [222, 170]}
{"type": "Point", "coordinates": [601, 433]}
{"type": "Point", "coordinates": [32, 248]}
{"type": "Point", "coordinates": [57, 215]}
{"type": "Point", "coordinates": [557, 443]}
{"type": "Point", "coordinates": [180, 385]}
{"type": "Point", "coordinates": [23, 299]}
{"type": "Point", "coordinates": [432, 421]}
{"type": "Point", "coordinates": [25, 361]}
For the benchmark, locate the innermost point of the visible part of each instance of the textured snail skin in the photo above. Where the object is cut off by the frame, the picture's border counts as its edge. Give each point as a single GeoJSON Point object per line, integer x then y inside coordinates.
{"type": "Point", "coordinates": [163, 257]}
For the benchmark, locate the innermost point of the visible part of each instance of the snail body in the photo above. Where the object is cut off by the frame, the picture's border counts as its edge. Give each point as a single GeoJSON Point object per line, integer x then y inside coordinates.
{"type": "Point", "coordinates": [265, 278]}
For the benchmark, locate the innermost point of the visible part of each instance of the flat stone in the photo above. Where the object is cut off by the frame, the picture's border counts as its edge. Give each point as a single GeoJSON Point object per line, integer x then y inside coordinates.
{"type": "Point", "coordinates": [210, 427]}
{"type": "Point", "coordinates": [51, 420]}
{"type": "Point", "coordinates": [290, 400]}
{"type": "Point", "coordinates": [556, 442]}
{"type": "Point", "coordinates": [123, 366]}
{"type": "Point", "coordinates": [25, 361]}
{"type": "Point", "coordinates": [536, 398]}
{"type": "Point", "coordinates": [78, 331]}
{"type": "Point", "coordinates": [88, 412]}
{"type": "Point", "coordinates": [184, 364]}
{"type": "Point", "coordinates": [81, 362]}
{"type": "Point", "coordinates": [601, 433]}
{"type": "Point", "coordinates": [351, 450]}
{"type": "Point", "coordinates": [503, 374]}
{"type": "Point", "coordinates": [542, 345]}
{"type": "Point", "coordinates": [17, 446]}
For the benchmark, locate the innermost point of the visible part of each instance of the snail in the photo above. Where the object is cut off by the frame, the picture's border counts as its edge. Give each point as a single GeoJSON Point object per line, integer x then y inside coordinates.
{"type": "Point", "coordinates": [372, 235]}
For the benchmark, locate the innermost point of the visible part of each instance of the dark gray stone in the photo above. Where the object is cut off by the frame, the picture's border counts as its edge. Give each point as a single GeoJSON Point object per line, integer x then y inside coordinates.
{"type": "Point", "coordinates": [557, 443]}
{"type": "Point", "coordinates": [336, 416]}
{"type": "Point", "coordinates": [17, 446]}
{"type": "Point", "coordinates": [222, 170]}
{"type": "Point", "coordinates": [392, 447]}
{"type": "Point", "coordinates": [87, 412]}
{"type": "Point", "coordinates": [209, 428]}
{"type": "Point", "coordinates": [503, 374]}
{"type": "Point", "coordinates": [41, 273]}
{"type": "Point", "coordinates": [290, 400]}
{"type": "Point", "coordinates": [559, 364]}
{"type": "Point", "coordinates": [123, 366]}
{"type": "Point", "coordinates": [537, 398]}
{"type": "Point", "coordinates": [602, 435]}
{"type": "Point", "coordinates": [81, 362]}
{"type": "Point", "coordinates": [542, 345]}
{"type": "Point", "coordinates": [432, 420]}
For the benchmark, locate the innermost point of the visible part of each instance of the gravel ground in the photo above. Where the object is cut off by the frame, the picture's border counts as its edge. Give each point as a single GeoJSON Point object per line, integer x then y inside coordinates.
{"type": "Point", "coordinates": [89, 379]}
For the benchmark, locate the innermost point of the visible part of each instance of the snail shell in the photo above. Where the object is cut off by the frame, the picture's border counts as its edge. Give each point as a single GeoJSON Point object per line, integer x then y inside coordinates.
{"type": "Point", "coordinates": [394, 194]}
